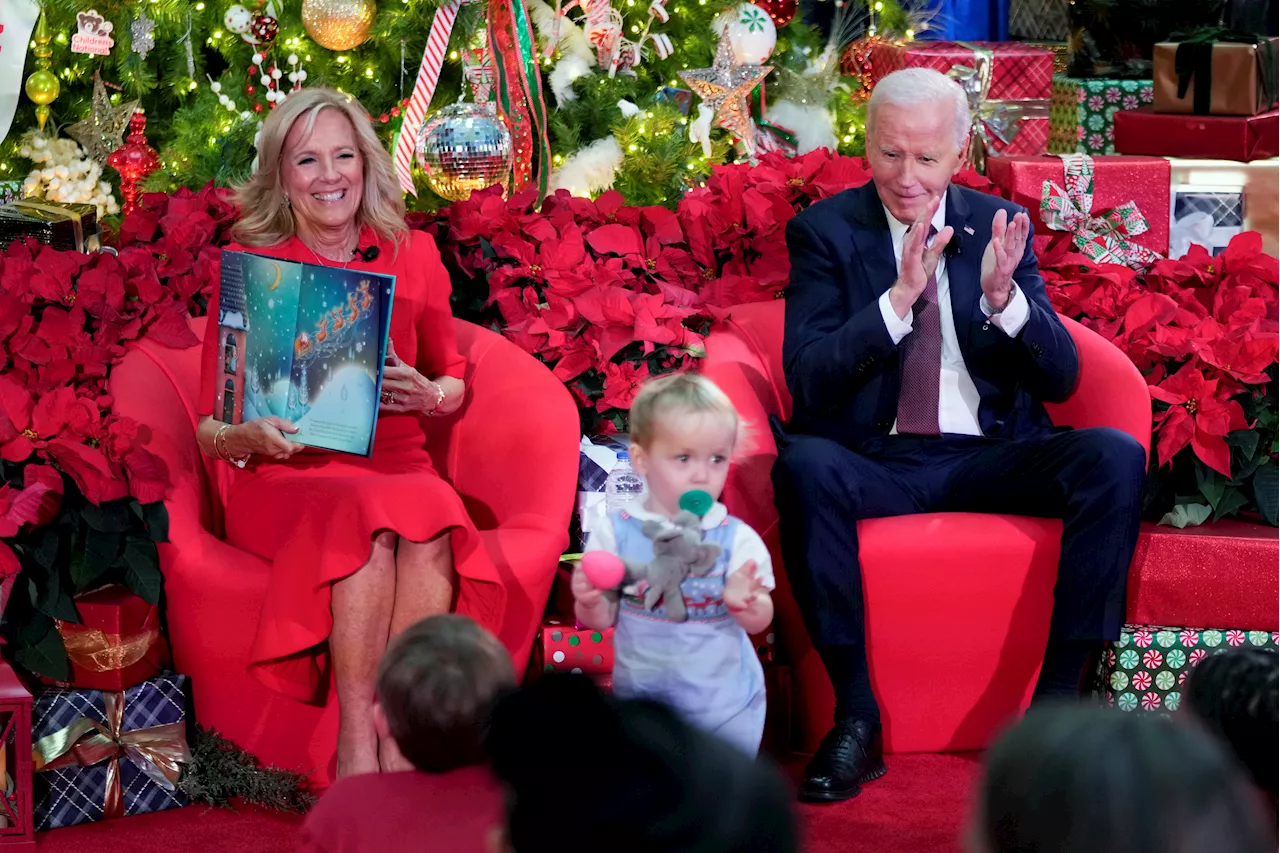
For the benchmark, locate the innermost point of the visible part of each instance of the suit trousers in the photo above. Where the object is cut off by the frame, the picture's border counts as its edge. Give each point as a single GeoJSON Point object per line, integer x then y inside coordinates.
{"type": "Point", "coordinates": [1093, 479]}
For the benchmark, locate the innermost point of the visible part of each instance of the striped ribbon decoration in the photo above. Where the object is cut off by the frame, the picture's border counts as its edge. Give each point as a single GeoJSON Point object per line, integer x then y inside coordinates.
{"type": "Point", "coordinates": [423, 89]}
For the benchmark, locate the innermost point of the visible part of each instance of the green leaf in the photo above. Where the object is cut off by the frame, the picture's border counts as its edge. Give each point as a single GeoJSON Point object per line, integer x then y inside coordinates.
{"type": "Point", "coordinates": [1211, 484]}
{"type": "Point", "coordinates": [110, 517]}
{"type": "Point", "coordinates": [53, 598]}
{"type": "Point", "coordinates": [45, 550]}
{"type": "Point", "coordinates": [1246, 440]}
{"type": "Point", "coordinates": [1232, 502]}
{"type": "Point", "coordinates": [1187, 515]}
{"type": "Point", "coordinates": [47, 656]}
{"type": "Point", "coordinates": [1266, 485]}
{"type": "Point", "coordinates": [99, 552]}
{"type": "Point", "coordinates": [156, 516]}
{"type": "Point", "coordinates": [142, 569]}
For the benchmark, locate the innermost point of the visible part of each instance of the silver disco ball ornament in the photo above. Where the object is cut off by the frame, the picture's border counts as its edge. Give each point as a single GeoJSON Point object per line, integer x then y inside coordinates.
{"type": "Point", "coordinates": [463, 148]}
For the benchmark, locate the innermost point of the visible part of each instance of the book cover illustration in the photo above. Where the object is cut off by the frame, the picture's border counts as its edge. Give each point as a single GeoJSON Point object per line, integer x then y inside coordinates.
{"type": "Point", "coordinates": [303, 342]}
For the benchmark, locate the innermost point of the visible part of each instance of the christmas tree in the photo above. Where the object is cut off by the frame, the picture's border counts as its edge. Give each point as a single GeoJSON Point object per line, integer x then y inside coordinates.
{"type": "Point", "coordinates": [619, 113]}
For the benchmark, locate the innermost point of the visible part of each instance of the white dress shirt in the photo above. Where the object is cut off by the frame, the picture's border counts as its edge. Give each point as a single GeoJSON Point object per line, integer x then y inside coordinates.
{"type": "Point", "coordinates": [958, 397]}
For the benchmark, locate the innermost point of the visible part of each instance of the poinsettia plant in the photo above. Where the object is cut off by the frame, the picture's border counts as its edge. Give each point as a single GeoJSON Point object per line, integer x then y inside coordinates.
{"type": "Point", "coordinates": [81, 502]}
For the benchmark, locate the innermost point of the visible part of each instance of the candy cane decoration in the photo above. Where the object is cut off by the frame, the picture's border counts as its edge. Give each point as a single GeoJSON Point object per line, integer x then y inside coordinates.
{"type": "Point", "coordinates": [423, 89]}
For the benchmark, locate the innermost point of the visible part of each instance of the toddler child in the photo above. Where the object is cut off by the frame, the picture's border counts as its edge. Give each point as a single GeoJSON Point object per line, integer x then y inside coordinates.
{"type": "Point", "coordinates": [683, 433]}
{"type": "Point", "coordinates": [437, 684]}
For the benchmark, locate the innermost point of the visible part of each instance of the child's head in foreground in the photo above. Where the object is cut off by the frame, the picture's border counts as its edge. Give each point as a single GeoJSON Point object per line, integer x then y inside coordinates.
{"type": "Point", "coordinates": [586, 771]}
{"type": "Point", "coordinates": [1086, 779]}
{"type": "Point", "coordinates": [1234, 694]}
{"type": "Point", "coordinates": [436, 688]}
{"type": "Point", "coordinates": [683, 432]}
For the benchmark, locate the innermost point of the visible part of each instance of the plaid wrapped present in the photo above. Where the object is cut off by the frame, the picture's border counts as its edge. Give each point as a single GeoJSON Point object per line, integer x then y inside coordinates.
{"type": "Point", "coordinates": [596, 457]}
{"type": "Point", "coordinates": [1008, 85]}
{"type": "Point", "coordinates": [1146, 669]}
{"type": "Point", "coordinates": [1082, 112]}
{"type": "Point", "coordinates": [105, 755]}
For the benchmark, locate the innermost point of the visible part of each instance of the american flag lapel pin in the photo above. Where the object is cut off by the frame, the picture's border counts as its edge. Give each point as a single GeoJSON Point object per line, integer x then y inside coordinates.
{"type": "Point", "coordinates": [968, 230]}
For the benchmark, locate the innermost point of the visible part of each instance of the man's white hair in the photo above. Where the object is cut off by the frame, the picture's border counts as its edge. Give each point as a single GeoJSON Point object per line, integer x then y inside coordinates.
{"type": "Point", "coordinates": [916, 87]}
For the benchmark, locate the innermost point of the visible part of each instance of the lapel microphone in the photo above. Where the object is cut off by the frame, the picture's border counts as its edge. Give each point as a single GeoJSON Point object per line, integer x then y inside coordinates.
{"type": "Point", "coordinates": [367, 254]}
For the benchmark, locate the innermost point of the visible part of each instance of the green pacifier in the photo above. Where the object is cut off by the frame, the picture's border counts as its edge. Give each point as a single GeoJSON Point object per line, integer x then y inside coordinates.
{"type": "Point", "coordinates": [697, 502]}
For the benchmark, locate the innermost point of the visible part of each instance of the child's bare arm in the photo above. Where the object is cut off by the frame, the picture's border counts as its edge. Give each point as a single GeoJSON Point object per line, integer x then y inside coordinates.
{"type": "Point", "coordinates": [747, 599]}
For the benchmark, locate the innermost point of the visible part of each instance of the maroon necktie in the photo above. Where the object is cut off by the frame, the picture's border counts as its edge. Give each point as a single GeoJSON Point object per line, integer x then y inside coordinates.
{"type": "Point", "coordinates": [921, 364]}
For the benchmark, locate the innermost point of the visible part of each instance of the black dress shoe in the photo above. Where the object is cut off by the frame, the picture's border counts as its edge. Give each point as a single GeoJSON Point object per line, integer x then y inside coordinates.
{"type": "Point", "coordinates": [852, 753]}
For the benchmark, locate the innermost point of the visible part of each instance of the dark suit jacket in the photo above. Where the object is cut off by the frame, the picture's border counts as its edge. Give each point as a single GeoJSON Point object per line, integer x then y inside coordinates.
{"type": "Point", "coordinates": [842, 366]}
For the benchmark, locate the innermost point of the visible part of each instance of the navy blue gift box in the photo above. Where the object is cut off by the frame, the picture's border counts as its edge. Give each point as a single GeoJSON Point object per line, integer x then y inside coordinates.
{"type": "Point", "coordinates": [102, 755]}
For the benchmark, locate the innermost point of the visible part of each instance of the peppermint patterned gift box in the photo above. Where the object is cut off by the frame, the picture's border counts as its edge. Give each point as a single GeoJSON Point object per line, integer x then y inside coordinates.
{"type": "Point", "coordinates": [1146, 669]}
{"type": "Point", "coordinates": [1082, 112]}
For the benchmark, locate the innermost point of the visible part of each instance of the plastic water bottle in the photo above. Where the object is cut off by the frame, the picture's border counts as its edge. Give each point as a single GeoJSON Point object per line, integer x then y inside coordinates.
{"type": "Point", "coordinates": [623, 487]}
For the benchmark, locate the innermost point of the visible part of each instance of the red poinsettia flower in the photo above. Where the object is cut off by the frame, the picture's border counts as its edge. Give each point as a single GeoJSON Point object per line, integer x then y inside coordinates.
{"type": "Point", "coordinates": [1242, 356]}
{"type": "Point", "coordinates": [35, 504]}
{"type": "Point", "coordinates": [621, 384]}
{"type": "Point", "coordinates": [1197, 415]}
{"type": "Point", "coordinates": [90, 469]}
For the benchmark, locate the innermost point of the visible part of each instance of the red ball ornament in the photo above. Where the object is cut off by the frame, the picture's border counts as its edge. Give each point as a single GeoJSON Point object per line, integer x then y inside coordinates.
{"type": "Point", "coordinates": [249, 90]}
{"type": "Point", "coordinates": [395, 111]}
{"type": "Point", "coordinates": [782, 11]}
{"type": "Point", "coordinates": [383, 118]}
{"type": "Point", "coordinates": [257, 108]}
{"type": "Point", "coordinates": [253, 71]}
{"type": "Point", "coordinates": [134, 160]}
{"type": "Point", "coordinates": [264, 29]}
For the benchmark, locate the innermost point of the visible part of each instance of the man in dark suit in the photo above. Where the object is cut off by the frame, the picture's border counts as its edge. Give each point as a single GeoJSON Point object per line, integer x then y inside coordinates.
{"type": "Point", "coordinates": [919, 349]}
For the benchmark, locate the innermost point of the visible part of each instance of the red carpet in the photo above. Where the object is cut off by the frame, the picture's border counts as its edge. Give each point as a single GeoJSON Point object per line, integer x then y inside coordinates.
{"type": "Point", "coordinates": [919, 806]}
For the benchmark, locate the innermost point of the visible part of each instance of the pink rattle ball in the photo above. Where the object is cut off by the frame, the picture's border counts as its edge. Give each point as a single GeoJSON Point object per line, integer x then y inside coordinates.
{"type": "Point", "coordinates": [604, 570]}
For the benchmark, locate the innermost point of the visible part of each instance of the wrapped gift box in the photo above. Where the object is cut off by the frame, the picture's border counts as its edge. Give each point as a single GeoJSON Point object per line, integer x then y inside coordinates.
{"type": "Point", "coordinates": [1061, 54]}
{"type": "Point", "coordinates": [102, 755]}
{"type": "Point", "coordinates": [1243, 138]}
{"type": "Point", "coordinates": [66, 227]}
{"type": "Point", "coordinates": [1030, 20]}
{"type": "Point", "coordinates": [1116, 181]}
{"type": "Point", "coordinates": [1116, 38]}
{"type": "Point", "coordinates": [118, 644]}
{"type": "Point", "coordinates": [1082, 112]}
{"type": "Point", "coordinates": [1020, 81]}
{"type": "Point", "coordinates": [1146, 670]}
{"type": "Point", "coordinates": [596, 457]}
{"type": "Point", "coordinates": [1212, 200]}
{"type": "Point", "coordinates": [561, 647]}
{"type": "Point", "coordinates": [1223, 78]}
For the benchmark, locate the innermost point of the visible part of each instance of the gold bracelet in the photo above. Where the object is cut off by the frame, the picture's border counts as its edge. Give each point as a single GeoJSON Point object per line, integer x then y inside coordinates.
{"type": "Point", "coordinates": [220, 447]}
{"type": "Point", "coordinates": [439, 399]}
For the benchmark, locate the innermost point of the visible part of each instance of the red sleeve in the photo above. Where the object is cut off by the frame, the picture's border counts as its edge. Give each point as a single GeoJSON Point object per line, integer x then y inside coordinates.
{"type": "Point", "coordinates": [209, 362]}
{"type": "Point", "coordinates": [309, 841]}
{"type": "Point", "coordinates": [437, 344]}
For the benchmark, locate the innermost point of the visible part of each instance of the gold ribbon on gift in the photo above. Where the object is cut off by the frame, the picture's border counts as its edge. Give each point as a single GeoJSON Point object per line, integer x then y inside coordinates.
{"type": "Point", "coordinates": [56, 214]}
{"type": "Point", "coordinates": [98, 651]}
{"type": "Point", "coordinates": [158, 751]}
{"type": "Point", "coordinates": [998, 118]}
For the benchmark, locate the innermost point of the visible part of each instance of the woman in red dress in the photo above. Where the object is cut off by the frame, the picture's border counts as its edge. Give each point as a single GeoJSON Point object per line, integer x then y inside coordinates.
{"type": "Point", "coordinates": [361, 548]}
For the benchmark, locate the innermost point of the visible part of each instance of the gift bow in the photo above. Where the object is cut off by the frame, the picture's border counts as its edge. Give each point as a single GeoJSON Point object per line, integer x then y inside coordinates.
{"type": "Point", "coordinates": [1103, 238]}
{"type": "Point", "coordinates": [97, 651]}
{"type": "Point", "coordinates": [998, 118]}
{"type": "Point", "coordinates": [158, 751]}
{"type": "Point", "coordinates": [1193, 228]}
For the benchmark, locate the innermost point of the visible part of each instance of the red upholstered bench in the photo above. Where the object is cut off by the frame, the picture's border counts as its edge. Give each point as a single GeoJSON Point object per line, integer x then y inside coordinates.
{"type": "Point", "coordinates": [958, 603]}
{"type": "Point", "coordinates": [519, 492]}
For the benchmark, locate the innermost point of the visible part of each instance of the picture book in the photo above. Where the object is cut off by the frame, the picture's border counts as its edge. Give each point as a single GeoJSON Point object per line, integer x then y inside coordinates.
{"type": "Point", "coordinates": [303, 342]}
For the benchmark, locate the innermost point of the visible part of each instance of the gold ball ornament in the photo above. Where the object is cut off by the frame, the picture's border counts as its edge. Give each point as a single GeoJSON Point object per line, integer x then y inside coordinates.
{"type": "Point", "coordinates": [43, 87]}
{"type": "Point", "coordinates": [338, 24]}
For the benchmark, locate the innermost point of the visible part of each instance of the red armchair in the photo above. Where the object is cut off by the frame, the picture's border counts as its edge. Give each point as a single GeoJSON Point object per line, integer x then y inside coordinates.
{"type": "Point", "coordinates": [958, 603]}
{"type": "Point", "coordinates": [519, 492]}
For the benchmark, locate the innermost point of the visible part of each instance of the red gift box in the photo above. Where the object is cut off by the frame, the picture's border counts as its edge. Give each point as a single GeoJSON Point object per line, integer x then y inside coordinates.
{"type": "Point", "coordinates": [563, 648]}
{"type": "Point", "coordinates": [1019, 83]}
{"type": "Point", "coordinates": [1217, 574]}
{"type": "Point", "coordinates": [118, 646]}
{"type": "Point", "coordinates": [1116, 180]}
{"type": "Point", "coordinates": [1243, 138]}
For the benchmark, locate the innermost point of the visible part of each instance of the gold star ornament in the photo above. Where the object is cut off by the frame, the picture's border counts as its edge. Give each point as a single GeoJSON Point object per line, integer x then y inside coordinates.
{"type": "Point", "coordinates": [726, 88]}
{"type": "Point", "coordinates": [103, 131]}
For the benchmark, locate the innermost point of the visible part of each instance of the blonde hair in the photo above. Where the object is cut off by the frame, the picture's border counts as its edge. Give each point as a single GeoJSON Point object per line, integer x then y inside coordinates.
{"type": "Point", "coordinates": [687, 393]}
{"type": "Point", "coordinates": [265, 217]}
